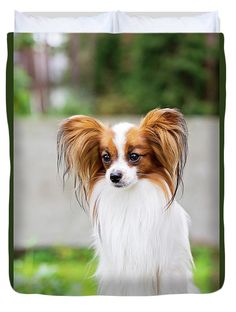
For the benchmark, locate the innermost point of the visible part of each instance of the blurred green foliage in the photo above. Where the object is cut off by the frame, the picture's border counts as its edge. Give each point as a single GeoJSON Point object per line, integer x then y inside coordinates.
{"type": "Point", "coordinates": [121, 73]}
{"type": "Point", "coordinates": [22, 83]}
{"type": "Point", "coordinates": [23, 41]}
{"type": "Point", "coordinates": [68, 271]}
{"type": "Point", "coordinates": [165, 70]}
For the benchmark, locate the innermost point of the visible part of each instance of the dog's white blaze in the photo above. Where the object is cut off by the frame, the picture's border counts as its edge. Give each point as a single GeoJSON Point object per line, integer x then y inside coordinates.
{"type": "Point", "coordinates": [120, 131]}
{"type": "Point", "coordinates": [129, 176]}
{"type": "Point", "coordinates": [143, 248]}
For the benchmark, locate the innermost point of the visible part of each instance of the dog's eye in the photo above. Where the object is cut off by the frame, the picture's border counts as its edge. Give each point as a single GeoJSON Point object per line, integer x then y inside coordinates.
{"type": "Point", "coordinates": [133, 157]}
{"type": "Point", "coordinates": [106, 158]}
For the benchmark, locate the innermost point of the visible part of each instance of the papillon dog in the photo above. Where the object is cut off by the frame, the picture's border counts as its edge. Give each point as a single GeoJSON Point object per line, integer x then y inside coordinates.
{"type": "Point", "coordinates": [126, 177]}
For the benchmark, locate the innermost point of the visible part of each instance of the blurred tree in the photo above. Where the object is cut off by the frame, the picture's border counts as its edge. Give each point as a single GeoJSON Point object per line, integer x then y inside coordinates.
{"type": "Point", "coordinates": [74, 49]}
{"type": "Point", "coordinates": [107, 63]}
{"type": "Point", "coordinates": [32, 56]}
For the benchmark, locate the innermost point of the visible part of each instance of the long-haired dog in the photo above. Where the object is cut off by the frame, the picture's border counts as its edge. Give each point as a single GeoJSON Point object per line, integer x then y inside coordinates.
{"type": "Point", "coordinates": [127, 177]}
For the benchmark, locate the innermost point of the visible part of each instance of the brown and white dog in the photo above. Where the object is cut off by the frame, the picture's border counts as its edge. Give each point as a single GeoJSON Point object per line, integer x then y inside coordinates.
{"type": "Point", "coordinates": [127, 177]}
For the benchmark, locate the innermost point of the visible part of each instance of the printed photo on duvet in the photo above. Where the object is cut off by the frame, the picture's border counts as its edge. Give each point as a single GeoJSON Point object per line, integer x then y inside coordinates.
{"type": "Point", "coordinates": [116, 164]}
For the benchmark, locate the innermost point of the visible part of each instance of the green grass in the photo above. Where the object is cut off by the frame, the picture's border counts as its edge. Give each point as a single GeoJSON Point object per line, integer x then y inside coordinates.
{"type": "Point", "coordinates": [57, 271]}
{"type": "Point", "coordinates": [68, 271]}
{"type": "Point", "coordinates": [207, 265]}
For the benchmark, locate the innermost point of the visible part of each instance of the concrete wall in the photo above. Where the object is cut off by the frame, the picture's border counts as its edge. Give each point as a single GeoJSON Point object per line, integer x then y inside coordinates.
{"type": "Point", "coordinates": [44, 215]}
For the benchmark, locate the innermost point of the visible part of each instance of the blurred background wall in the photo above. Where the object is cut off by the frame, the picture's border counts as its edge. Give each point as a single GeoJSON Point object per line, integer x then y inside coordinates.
{"type": "Point", "coordinates": [113, 77]}
{"type": "Point", "coordinates": [45, 215]}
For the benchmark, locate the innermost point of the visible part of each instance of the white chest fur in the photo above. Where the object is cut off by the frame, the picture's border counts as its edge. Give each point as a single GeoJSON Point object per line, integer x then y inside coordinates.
{"type": "Point", "coordinates": [143, 247]}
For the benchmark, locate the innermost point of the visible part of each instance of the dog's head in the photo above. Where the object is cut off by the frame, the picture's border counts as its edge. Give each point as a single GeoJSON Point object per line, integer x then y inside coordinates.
{"type": "Point", "coordinates": [123, 154]}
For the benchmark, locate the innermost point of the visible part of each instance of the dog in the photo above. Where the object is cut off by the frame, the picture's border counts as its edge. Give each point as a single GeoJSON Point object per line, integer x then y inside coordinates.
{"type": "Point", "coordinates": [126, 177]}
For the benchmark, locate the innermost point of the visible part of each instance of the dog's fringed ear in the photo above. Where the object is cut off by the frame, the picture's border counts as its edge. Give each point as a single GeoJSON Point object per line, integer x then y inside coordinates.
{"type": "Point", "coordinates": [78, 148]}
{"type": "Point", "coordinates": [167, 133]}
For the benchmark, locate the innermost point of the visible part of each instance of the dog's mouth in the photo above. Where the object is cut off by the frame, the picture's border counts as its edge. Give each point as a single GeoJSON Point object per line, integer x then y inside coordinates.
{"type": "Point", "coordinates": [119, 185]}
{"type": "Point", "coordinates": [122, 185]}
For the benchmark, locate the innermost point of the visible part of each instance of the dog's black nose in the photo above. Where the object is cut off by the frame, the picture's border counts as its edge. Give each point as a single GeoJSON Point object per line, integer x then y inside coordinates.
{"type": "Point", "coordinates": [116, 176]}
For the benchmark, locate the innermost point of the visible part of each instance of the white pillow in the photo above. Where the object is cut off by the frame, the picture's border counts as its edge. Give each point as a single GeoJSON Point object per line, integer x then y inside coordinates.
{"type": "Point", "coordinates": [116, 22]}
{"type": "Point", "coordinates": [167, 22]}
{"type": "Point", "coordinates": [33, 23]}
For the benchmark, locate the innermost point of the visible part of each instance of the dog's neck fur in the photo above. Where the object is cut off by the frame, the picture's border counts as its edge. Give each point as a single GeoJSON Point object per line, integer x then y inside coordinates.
{"type": "Point", "coordinates": [143, 247]}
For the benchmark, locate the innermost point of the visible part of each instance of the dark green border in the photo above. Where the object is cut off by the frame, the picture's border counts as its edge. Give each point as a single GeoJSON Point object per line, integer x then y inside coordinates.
{"type": "Point", "coordinates": [10, 114]}
{"type": "Point", "coordinates": [222, 98]}
{"type": "Point", "coordinates": [10, 118]}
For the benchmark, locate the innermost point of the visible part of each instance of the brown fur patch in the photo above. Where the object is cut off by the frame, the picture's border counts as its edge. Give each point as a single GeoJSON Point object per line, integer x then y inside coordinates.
{"type": "Point", "coordinates": [78, 144]}
{"type": "Point", "coordinates": [107, 146]}
{"type": "Point", "coordinates": [135, 142]}
{"type": "Point", "coordinates": [148, 166]}
{"type": "Point", "coordinates": [166, 132]}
